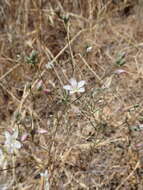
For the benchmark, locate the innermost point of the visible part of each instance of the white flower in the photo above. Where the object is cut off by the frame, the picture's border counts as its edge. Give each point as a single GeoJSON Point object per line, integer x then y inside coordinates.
{"type": "Point", "coordinates": [11, 143]}
{"type": "Point", "coordinates": [75, 86]}
{"type": "Point", "coordinates": [89, 49]}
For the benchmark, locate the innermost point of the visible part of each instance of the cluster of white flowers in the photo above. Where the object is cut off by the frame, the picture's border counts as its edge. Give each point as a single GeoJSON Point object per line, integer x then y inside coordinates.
{"type": "Point", "coordinates": [10, 146]}
{"type": "Point", "coordinates": [75, 87]}
{"type": "Point", "coordinates": [11, 142]}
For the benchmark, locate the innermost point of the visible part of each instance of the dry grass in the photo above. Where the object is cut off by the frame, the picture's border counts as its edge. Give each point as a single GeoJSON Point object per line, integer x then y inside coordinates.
{"type": "Point", "coordinates": [93, 140]}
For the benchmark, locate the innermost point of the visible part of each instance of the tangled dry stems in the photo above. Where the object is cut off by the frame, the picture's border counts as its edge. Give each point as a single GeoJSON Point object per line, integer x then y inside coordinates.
{"type": "Point", "coordinates": [93, 141]}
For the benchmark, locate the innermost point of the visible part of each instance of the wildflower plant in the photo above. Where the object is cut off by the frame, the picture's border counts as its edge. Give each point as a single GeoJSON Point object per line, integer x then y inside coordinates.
{"type": "Point", "coordinates": [75, 87]}
{"type": "Point", "coordinates": [11, 142]}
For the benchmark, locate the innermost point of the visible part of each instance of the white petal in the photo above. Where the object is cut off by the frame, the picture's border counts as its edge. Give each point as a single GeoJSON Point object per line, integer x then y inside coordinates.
{"type": "Point", "coordinates": [120, 71]}
{"type": "Point", "coordinates": [73, 91]}
{"type": "Point", "coordinates": [17, 144]}
{"type": "Point", "coordinates": [8, 142]}
{"type": "Point", "coordinates": [81, 83]}
{"type": "Point", "coordinates": [67, 87]}
{"type": "Point", "coordinates": [81, 89]}
{"type": "Point", "coordinates": [73, 82]}
{"type": "Point", "coordinates": [7, 135]}
{"type": "Point", "coordinates": [89, 49]}
{"type": "Point", "coordinates": [15, 134]}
